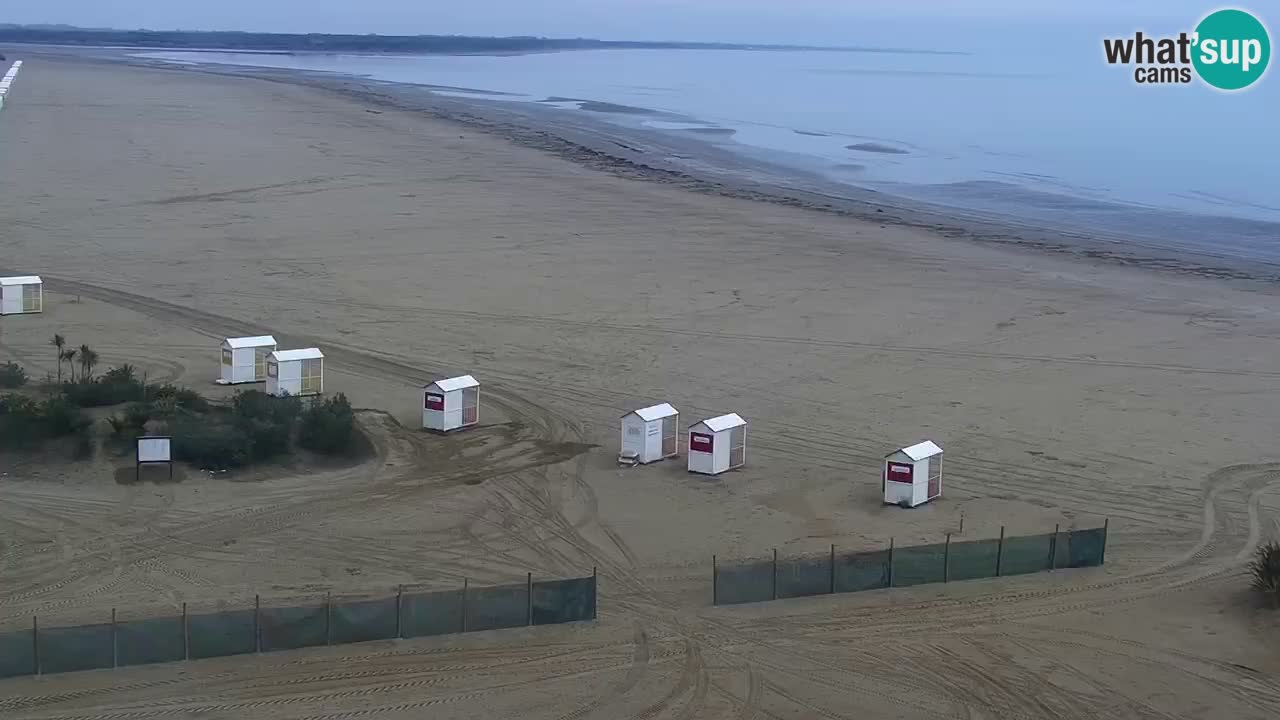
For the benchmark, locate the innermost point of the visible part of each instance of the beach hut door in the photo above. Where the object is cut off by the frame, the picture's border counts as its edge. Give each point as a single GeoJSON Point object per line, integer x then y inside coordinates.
{"type": "Point", "coordinates": [737, 446]}
{"type": "Point", "coordinates": [669, 436]}
{"type": "Point", "coordinates": [935, 477]}
{"type": "Point", "coordinates": [470, 405]}
{"type": "Point", "coordinates": [31, 299]}
{"type": "Point", "coordinates": [260, 363]}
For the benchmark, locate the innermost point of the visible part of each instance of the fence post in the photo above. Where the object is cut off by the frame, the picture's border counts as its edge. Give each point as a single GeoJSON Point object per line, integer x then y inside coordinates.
{"type": "Point", "coordinates": [1000, 553]}
{"type": "Point", "coordinates": [715, 581]}
{"type": "Point", "coordinates": [465, 582]}
{"type": "Point", "coordinates": [946, 560]}
{"type": "Point", "coordinates": [186, 635]}
{"type": "Point", "coordinates": [115, 642]}
{"type": "Point", "coordinates": [1106, 525]}
{"type": "Point", "coordinates": [775, 573]}
{"type": "Point", "coordinates": [1053, 548]}
{"type": "Point", "coordinates": [328, 617]}
{"type": "Point", "coordinates": [399, 610]}
{"type": "Point", "coordinates": [890, 562]}
{"type": "Point", "coordinates": [833, 569]}
{"type": "Point", "coordinates": [528, 596]}
{"type": "Point", "coordinates": [257, 623]}
{"type": "Point", "coordinates": [35, 643]}
{"type": "Point", "coordinates": [595, 593]}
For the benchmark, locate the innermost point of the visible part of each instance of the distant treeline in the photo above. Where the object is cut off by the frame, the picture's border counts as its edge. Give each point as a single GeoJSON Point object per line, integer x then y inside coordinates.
{"type": "Point", "coordinates": [445, 44]}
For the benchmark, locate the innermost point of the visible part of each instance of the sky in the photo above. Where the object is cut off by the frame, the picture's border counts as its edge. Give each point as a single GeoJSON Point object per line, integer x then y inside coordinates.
{"type": "Point", "coordinates": [801, 21]}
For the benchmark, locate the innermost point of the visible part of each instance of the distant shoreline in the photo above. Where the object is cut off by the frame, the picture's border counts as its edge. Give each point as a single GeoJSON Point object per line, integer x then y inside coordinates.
{"type": "Point", "coordinates": [685, 160]}
{"type": "Point", "coordinates": [238, 41]}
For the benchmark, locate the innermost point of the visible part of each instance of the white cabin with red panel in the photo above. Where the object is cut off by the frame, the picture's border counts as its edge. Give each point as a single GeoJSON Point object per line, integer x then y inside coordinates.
{"type": "Point", "coordinates": [913, 475]}
{"type": "Point", "coordinates": [451, 404]}
{"type": "Point", "coordinates": [717, 444]}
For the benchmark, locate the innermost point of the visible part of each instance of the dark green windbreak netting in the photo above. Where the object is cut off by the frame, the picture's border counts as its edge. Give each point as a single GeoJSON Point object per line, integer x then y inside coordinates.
{"type": "Point", "coordinates": [918, 565]}
{"type": "Point", "coordinates": [492, 608]}
{"type": "Point", "coordinates": [155, 640]}
{"type": "Point", "coordinates": [363, 620]}
{"type": "Point", "coordinates": [433, 613]}
{"type": "Point", "coordinates": [562, 601]}
{"type": "Point", "coordinates": [230, 632]}
{"type": "Point", "coordinates": [973, 559]}
{"type": "Point", "coordinates": [862, 571]}
{"type": "Point", "coordinates": [745, 583]}
{"type": "Point", "coordinates": [291, 628]}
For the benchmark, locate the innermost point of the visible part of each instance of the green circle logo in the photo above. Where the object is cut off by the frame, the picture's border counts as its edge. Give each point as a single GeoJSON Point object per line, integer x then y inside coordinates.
{"type": "Point", "coordinates": [1232, 49]}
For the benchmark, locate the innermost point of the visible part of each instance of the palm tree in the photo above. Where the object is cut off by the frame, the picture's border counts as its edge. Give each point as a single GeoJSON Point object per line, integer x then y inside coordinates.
{"type": "Point", "coordinates": [59, 342]}
{"type": "Point", "coordinates": [87, 360]}
{"type": "Point", "coordinates": [70, 357]}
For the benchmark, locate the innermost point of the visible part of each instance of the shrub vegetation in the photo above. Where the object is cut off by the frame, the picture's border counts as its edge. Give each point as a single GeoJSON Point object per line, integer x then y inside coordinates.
{"type": "Point", "coordinates": [253, 427]}
{"type": "Point", "coordinates": [12, 376]}
{"type": "Point", "coordinates": [1264, 570]}
{"type": "Point", "coordinates": [328, 426]}
{"type": "Point", "coordinates": [26, 423]}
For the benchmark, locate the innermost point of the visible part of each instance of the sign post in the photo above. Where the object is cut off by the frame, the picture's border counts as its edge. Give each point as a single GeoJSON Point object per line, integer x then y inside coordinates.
{"type": "Point", "coordinates": [153, 450]}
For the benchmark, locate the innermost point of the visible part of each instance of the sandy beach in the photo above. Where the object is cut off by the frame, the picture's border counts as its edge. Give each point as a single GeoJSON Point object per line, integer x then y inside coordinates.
{"type": "Point", "coordinates": [167, 209]}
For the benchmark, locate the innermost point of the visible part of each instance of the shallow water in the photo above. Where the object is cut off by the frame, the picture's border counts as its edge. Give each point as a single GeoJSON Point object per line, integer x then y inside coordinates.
{"type": "Point", "coordinates": [1034, 127]}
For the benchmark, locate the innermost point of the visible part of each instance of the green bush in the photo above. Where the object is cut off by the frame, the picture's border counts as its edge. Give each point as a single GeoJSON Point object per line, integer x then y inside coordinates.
{"type": "Point", "coordinates": [257, 405]}
{"type": "Point", "coordinates": [210, 445]}
{"type": "Point", "coordinates": [24, 423]}
{"type": "Point", "coordinates": [267, 421]}
{"type": "Point", "coordinates": [183, 398]}
{"type": "Point", "coordinates": [20, 425]}
{"type": "Point", "coordinates": [328, 426]}
{"type": "Point", "coordinates": [117, 385]}
{"type": "Point", "coordinates": [1264, 569]}
{"type": "Point", "coordinates": [137, 414]}
{"type": "Point", "coordinates": [12, 376]}
{"type": "Point", "coordinates": [61, 416]}
{"type": "Point", "coordinates": [84, 443]}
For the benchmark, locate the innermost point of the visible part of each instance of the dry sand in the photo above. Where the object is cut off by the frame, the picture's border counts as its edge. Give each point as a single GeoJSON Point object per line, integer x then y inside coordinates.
{"type": "Point", "coordinates": [168, 209]}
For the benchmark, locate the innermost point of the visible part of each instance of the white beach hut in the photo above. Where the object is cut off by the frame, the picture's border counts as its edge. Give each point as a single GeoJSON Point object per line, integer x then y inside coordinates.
{"type": "Point", "coordinates": [650, 434]}
{"type": "Point", "coordinates": [717, 444]}
{"type": "Point", "coordinates": [451, 403]}
{"type": "Point", "coordinates": [295, 372]}
{"type": "Point", "coordinates": [913, 475]}
{"type": "Point", "coordinates": [244, 359]}
{"type": "Point", "coordinates": [21, 294]}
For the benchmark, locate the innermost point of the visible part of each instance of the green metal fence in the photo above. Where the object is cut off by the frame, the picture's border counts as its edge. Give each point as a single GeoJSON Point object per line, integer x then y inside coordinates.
{"type": "Point", "coordinates": [270, 627]}
{"type": "Point", "coordinates": [762, 580]}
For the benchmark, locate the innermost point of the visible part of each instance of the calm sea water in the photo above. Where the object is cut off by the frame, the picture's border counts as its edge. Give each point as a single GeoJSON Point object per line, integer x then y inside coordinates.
{"type": "Point", "coordinates": [1033, 126]}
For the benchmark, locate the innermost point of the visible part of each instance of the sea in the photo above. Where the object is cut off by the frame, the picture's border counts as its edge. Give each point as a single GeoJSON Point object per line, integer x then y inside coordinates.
{"type": "Point", "coordinates": [1032, 127]}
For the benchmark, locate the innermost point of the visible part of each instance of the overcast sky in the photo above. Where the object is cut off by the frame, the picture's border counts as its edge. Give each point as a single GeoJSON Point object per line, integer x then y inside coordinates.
{"type": "Point", "coordinates": [826, 21]}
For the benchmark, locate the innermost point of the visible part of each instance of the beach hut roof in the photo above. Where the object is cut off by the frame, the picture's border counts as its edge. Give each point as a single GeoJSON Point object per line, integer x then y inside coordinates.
{"type": "Point", "coordinates": [455, 383]}
{"type": "Point", "coordinates": [21, 280]}
{"type": "Point", "coordinates": [724, 422]}
{"type": "Point", "coordinates": [920, 451]}
{"type": "Point", "coordinates": [303, 354]}
{"type": "Point", "coordinates": [654, 412]}
{"type": "Point", "coordinates": [248, 342]}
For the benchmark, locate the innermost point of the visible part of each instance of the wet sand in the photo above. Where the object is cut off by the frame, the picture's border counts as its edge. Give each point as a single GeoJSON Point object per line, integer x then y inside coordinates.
{"type": "Point", "coordinates": [167, 209]}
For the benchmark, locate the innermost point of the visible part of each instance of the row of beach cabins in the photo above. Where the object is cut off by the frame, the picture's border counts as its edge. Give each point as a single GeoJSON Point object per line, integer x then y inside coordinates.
{"type": "Point", "coordinates": [8, 81]}
{"type": "Point", "coordinates": [648, 435]}
{"type": "Point", "coordinates": [910, 476]}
